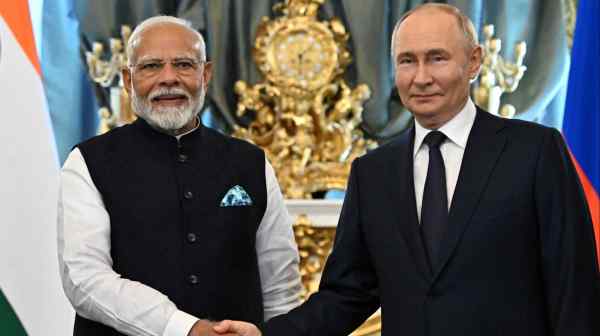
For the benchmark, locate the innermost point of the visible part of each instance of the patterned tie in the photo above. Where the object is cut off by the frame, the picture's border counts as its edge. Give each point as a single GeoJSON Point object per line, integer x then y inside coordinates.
{"type": "Point", "coordinates": [434, 209]}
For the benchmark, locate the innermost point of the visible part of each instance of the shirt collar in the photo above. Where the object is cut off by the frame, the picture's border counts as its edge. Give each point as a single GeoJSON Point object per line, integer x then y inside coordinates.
{"type": "Point", "coordinates": [190, 131]}
{"type": "Point", "coordinates": [456, 129]}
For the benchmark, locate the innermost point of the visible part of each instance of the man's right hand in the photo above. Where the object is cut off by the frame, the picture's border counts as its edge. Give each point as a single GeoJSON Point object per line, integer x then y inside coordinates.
{"type": "Point", "coordinates": [205, 328]}
{"type": "Point", "coordinates": [237, 327]}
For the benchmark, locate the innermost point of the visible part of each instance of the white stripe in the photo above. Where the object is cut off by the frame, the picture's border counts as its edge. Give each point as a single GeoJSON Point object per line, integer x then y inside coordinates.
{"type": "Point", "coordinates": [28, 197]}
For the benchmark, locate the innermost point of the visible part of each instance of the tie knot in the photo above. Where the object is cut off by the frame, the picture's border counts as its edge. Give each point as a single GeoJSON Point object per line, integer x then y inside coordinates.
{"type": "Point", "coordinates": [434, 139]}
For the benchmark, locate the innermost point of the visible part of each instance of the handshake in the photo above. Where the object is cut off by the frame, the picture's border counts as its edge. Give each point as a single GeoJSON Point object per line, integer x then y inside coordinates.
{"type": "Point", "coordinates": [224, 328]}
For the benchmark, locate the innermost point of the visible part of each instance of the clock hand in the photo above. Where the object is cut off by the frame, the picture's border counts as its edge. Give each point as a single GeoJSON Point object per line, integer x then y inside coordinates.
{"type": "Point", "coordinates": [301, 54]}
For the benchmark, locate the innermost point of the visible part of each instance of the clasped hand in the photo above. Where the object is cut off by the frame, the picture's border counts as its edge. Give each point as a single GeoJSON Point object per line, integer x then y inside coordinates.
{"type": "Point", "coordinates": [224, 328]}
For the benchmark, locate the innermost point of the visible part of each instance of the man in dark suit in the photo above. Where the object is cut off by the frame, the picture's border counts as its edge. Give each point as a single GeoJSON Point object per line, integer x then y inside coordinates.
{"type": "Point", "coordinates": [467, 224]}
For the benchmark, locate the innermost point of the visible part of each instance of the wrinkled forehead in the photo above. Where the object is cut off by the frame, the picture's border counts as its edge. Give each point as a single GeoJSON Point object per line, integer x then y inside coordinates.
{"type": "Point", "coordinates": [167, 41]}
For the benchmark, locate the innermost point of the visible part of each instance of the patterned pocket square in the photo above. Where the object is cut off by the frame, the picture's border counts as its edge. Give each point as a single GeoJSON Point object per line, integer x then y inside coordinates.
{"type": "Point", "coordinates": [236, 196]}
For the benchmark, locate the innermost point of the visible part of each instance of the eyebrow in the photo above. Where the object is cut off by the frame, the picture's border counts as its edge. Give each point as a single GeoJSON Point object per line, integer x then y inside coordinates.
{"type": "Point", "coordinates": [437, 51]}
{"type": "Point", "coordinates": [157, 59]}
{"type": "Point", "coordinates": [429, 52]}
{"type": "Point", "coordinates": [148, 59]}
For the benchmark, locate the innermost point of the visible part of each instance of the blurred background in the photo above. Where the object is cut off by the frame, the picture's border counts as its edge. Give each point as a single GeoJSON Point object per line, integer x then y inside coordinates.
{"type": "Point", "coordinates": [69, 28]}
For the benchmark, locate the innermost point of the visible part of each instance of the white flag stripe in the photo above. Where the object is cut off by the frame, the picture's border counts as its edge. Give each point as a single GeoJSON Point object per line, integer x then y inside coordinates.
{"type": "Point", "coordinates": [28, 197]}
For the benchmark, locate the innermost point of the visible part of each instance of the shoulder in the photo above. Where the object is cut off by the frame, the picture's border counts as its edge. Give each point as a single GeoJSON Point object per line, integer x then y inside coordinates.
{"type": "Point", "coordinates": [518, 129]}
{"type": "Point", "coordinates": [525, 139]}
{"type": "Point", "coordinates": [106, 142]}
{"type": "Point", "coordinates": [395, 148]}
{"type": "Point", "coordinates": [237, 148]}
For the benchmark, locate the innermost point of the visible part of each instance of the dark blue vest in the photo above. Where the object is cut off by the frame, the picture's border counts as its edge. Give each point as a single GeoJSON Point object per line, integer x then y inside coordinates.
{"type": "Point", "coordinates": [168, 230]}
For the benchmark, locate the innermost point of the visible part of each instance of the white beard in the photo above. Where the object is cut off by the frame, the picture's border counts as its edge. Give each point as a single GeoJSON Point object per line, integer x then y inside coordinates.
{"type": "Point", "coordinates": [167, 119]}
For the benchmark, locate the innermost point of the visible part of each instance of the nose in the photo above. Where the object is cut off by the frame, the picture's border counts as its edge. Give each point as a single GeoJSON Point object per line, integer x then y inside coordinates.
{"type": "Point", "coordinates": [168, 76]}
{"type": "Point", "coordinates": [422, 75]}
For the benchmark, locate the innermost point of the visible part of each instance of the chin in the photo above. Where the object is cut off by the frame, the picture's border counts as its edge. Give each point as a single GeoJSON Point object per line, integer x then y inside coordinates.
{"type": "Point", "coordinates": [425, 112]}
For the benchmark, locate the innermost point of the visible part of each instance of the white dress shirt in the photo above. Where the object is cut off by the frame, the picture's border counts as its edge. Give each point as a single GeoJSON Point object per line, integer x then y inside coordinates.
{"type": "Point", "coordinates": [98, 293]}
{"type": "Point", "coordinates": [457, 132]}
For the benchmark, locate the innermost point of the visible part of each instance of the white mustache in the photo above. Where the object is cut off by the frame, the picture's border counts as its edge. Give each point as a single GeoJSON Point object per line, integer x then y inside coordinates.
{"type": "Point", "coordinates": [162, 91]}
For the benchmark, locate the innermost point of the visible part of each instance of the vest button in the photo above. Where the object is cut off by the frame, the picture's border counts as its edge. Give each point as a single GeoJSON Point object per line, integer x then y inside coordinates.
{"type": "Point", "coordinates": [188, 195]}
{"type": "Point", "coordinates": [182, 158]}
{"type": "Point", "coordinates": [191, 237]}
{"type": "Point", "coordinates": [193, 279]}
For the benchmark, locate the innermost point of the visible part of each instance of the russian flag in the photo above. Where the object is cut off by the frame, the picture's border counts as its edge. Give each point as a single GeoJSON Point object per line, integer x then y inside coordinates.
{"type": "Point", "coordinates": [581, 125]}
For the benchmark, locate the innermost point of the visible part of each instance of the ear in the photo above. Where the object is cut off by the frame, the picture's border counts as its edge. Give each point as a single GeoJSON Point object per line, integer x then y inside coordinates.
{"type": "Point", "coordinates": [206, 73]}
{"type": "Point", "coordinates": [126, 74]}
{"type": "Point", "coordinates": [475, 59]}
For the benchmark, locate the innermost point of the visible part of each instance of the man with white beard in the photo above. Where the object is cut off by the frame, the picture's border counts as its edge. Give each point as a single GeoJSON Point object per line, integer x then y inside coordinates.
{"type": "Point", "coordinates": [163, 223]}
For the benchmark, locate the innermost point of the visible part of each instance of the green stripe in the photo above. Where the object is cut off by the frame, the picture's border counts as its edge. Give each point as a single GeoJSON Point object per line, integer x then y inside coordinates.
{"type": "Point", "coordinates": [9, 322]}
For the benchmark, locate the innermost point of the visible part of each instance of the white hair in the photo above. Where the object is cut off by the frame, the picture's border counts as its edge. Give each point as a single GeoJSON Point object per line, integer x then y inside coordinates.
{"type": "Point", "coordinates": [134, 39]}
{"type": "Point", "coordinates": [465, 24]}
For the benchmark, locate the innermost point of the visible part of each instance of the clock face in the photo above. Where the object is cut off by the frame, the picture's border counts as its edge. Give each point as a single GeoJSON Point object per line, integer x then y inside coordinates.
{"type": "Point", "coordinates": [303, 57]}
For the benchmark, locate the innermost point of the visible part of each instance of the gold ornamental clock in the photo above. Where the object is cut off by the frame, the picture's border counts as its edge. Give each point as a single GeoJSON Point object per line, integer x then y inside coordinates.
{"type": "Point", "coordinates": [304, 115]}
{"type": "Point", "coordinates": [299, 53]}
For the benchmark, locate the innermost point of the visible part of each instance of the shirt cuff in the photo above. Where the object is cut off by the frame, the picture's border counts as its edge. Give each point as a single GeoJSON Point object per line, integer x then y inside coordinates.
{"type": "Point", "coordinates": [180, 324]}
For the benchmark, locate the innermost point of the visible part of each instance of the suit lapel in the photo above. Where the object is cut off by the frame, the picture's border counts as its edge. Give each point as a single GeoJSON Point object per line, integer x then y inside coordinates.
{"type": "Point", "coordinates": [483, 149]}
{"type": "Point", "coordinates": [401, 193]}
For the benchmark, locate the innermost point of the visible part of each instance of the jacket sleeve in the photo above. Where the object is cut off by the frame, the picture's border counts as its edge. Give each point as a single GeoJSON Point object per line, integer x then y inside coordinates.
{"type": "Point", "coordinates": [568, 253]}
{"type": "Point", "coordinates": [348, 292]}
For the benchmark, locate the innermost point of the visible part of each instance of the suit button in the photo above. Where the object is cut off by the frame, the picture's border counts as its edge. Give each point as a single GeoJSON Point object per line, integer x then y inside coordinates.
{"type": "Point", "coordinates": [182, 158]}
{"type": "Point", "coordinates": [191, 237]}
{"type": "Point", "coordinates": [188, 195]}
{"type": "Point", "coordinates": [193, 279]}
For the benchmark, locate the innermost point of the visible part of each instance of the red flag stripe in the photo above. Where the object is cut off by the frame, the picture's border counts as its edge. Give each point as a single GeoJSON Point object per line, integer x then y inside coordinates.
{"type": "Point", "coordinates": [593, 202]}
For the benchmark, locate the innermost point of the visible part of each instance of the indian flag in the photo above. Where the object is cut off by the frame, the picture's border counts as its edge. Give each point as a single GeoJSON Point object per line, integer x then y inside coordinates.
{"type": "Point", "coordinates": [31, 298]}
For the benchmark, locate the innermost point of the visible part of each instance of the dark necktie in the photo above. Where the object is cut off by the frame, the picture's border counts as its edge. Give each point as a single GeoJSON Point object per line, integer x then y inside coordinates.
{"type": "Point", "coordinates": [434, 209]}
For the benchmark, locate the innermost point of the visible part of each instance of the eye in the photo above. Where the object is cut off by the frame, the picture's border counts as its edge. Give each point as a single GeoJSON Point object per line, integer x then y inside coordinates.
{"type": "Point", "coordinates": [438, 58]}
{"type": "Point", "coordinates": [150, 66]}
{"type": "Point", "coordinates": [405, 61]}
{"type": "Point", "coordinates": [184, 64]}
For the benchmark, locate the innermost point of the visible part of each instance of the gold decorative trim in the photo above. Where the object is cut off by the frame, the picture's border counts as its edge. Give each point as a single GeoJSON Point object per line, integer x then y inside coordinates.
{"type": "Point", "coordinates": [570, 7]}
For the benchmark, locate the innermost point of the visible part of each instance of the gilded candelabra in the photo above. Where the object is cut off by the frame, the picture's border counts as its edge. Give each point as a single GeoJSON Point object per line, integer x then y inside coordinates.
{"type": "Point", "coordinates": [498, 75]}
{"type": "Point", "coordinates": [304, 115]}
{"type": "Point", "coordinates": [107, 74]}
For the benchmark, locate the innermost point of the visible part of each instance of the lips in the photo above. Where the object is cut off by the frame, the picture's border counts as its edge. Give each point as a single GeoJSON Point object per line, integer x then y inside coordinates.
{"type": "Point", "coordinates": [169, 98]}
{"type": "Point", "coordinates": [420, 96]}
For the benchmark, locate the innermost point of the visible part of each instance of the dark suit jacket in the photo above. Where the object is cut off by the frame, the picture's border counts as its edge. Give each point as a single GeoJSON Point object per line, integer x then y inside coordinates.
{"type": "Point", "coordinates": [518, 257]}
